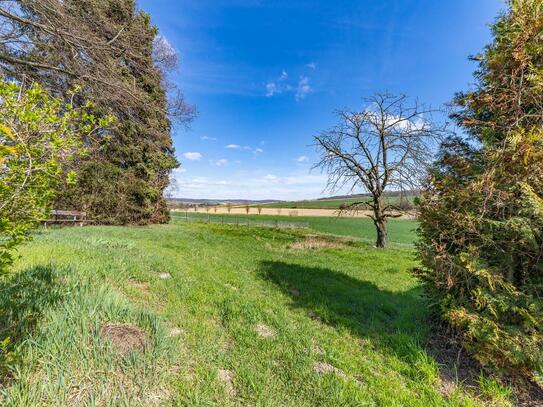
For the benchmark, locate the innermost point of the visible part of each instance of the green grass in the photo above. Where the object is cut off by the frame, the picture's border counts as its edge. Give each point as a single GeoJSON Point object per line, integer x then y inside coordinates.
{"type": "Point", "coordinates": [345, 325]}
{"type": "Point", "coordinates": [328, 203]}
{"type": "Point", "coordinates": [401, 231]}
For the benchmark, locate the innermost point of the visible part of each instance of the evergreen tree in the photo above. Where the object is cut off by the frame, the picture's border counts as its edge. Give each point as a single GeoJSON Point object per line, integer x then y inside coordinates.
{"type": "Point", "coordinates": [107, 47]}
{"type": "Point", "coordinates": [481, 220]}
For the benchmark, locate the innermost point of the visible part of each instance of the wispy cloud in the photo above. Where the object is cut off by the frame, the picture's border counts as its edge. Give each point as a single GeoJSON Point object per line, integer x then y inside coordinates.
{"type": "Point", "coordinates": [221, 162]}
{"type": "Point", "coordinates": [312, 65]}
{"type": "Point", "coordinates": [192, 156]}
{"type": "Point", "coordinates": [244, 148]}
{"type": "Point", "coordinates": [303, 88]}
{"type": "Point", "coordinates": [282, 84]}
{"type": "Point", "coordinates": [269, 186]}
{"type": "Point", "coordinates": [271, 89]}
{"type": "Point", "coordinates": [205, 138]}
{"type": "Point", "coordinates": [302, 159]}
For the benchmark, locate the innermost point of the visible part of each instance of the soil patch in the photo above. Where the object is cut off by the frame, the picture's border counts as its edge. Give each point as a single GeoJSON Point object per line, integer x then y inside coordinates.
{"type": "Point", "coordinates": [227, 378]}
{"type": "Point", "coordinates": [124, 337]}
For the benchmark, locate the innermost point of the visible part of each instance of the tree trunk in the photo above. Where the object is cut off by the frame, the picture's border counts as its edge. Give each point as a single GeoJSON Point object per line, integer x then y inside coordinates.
{"type": "Point", "coordinates": [380, 221]}
{"type": "Point", "coordinates": [382, 234]}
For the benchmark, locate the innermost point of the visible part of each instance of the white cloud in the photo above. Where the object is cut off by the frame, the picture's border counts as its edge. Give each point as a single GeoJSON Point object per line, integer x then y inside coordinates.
{"type": "Point", "coordinates": [278, 85]}
{"type": "Point", "coordinates": [271, 178]}
{"type": "Point", "coordinates": [179, 170]}
{"type": "Point", "coordinates": [208, 138]}
{"type": "Point", "coordinates": [303, 88]}
{"type": "Point", "coordinates": [302, 159]}
{"type": "Point", "coordinates": [221, 162]}
{"type": "Point", "coordinates": [271, 89]}
{"type": "Point", "coordinates": [282, 85]}
{"type": "Point", "coordinates": [244, 148]}
{"type": "Point", "coordinates": [192, 156]}
{"type": "Point", "coordinates": [244, 185]}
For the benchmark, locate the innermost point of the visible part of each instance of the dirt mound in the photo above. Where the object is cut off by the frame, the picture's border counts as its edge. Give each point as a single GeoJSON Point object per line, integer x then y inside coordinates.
{"type": "Point", "coordinates": [124, 337]}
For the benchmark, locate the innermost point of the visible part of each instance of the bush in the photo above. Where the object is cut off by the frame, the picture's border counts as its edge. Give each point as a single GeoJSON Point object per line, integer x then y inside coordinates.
{"type": "Point", "coordinates": [481, 216]}
{"type": "Point", "coordinates": [38, 134]}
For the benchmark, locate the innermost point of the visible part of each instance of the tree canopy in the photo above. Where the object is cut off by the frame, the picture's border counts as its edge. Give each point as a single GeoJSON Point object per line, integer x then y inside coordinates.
{"type": "Point", "coordinates": [115, 55]}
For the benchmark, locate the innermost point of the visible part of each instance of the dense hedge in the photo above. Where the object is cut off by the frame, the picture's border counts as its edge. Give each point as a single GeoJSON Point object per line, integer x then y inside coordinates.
{"type": "Point", "coordinates": [481, 216]}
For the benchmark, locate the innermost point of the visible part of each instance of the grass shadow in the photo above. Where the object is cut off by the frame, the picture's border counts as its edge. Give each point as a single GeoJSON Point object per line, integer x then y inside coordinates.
{"type": "Point", "coordinates": [395, 321]}
{"type": "Point", "coordinates": [24, 297]}
{"type": "Point", "coordinates": [338, 299]}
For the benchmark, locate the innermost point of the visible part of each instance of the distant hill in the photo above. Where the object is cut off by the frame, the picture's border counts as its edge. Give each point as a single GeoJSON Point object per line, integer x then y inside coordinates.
{"type": "Point", "coordinates": [328, 202]}
{"type": "Point", "coordinates": [367, 195]}
{"type": "Point", "coordinates": [192, 201]}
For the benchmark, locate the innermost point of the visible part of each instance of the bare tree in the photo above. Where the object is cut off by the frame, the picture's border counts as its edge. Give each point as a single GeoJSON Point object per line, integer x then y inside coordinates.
{"type": "Point", "coordinates": [386, 146]}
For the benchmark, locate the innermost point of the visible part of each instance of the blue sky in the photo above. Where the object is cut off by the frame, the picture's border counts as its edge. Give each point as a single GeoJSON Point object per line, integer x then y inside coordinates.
{"type": "Point", "coordinates": [266, 75]}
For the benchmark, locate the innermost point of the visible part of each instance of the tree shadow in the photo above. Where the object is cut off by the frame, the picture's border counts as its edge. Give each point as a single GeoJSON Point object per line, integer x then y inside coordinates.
{"type": "Point", "coordinates": [395, 321]}
{"type": "Point", "coordinates": [338, 299]}
{"type": "Point", "coordinates": [24, 297]}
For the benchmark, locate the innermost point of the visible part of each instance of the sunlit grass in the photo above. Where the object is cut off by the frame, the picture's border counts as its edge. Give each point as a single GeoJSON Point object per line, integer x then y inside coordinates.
{"type": "Point", "coordinates": [257, 322]}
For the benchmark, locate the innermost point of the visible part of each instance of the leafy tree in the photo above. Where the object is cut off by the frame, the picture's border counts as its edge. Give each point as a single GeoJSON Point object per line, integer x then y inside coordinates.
{"type": "Point", "coordinates": [114, 53]}
{"type": "Point", "coordinates": [481, 218]}
{"type": "Point", "coordinates": [37, 135]}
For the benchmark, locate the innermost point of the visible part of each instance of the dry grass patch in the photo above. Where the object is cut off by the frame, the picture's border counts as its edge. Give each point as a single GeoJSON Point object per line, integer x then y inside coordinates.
{"type": "Point", "coordinates": [264, 331]}
{"type": "Point", "coordinates": [226, 377]}
{"type": "Point", "coordinates": [323, 368]}
{"type": "Point", "coordinates": [141, 286]}
{"type": "Point", "coordinates": [318, 242]}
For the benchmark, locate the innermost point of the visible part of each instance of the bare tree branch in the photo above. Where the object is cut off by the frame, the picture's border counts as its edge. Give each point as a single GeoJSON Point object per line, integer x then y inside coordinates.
{"type": "Point", "coordinates": [388, 146]}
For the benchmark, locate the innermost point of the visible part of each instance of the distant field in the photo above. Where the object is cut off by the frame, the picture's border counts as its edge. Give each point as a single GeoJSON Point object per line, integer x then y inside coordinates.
{"type": "Point", "coordinates": [329, 203]}
{"type": "Point", "coordinates": [401, 231]}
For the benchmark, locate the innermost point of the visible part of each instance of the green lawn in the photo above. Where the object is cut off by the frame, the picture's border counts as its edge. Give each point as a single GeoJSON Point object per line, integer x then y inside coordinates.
{"type": "Point", "coordinates": [245, 318]}
{"type": "Point", "coordinates": [401, 231]}
{"type": "Point", "coordinates": [329, 203]}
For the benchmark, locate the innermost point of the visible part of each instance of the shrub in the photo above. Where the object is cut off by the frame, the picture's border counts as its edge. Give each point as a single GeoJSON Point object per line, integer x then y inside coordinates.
{"type": "Point", "coordinates": [481, 216]}
{"type": "Point", "coordinates": [38, 134]}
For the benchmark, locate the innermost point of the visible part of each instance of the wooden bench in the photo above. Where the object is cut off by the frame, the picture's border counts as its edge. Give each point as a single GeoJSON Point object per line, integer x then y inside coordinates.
{"type": "Point", "coordinates": [66, 217]}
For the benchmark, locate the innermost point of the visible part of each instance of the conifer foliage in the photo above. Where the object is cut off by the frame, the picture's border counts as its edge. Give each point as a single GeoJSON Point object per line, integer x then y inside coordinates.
{"type": "Point", "coordinates": [481, 219]}
{"type": "Point", "coordinates": [114, 54]}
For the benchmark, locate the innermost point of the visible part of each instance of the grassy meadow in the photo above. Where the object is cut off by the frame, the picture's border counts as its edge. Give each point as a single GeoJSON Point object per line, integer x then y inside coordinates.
{"type": "Point", "coordinates": [332, 203]}
{"type": "Point", "coordinates": [232, 315]}
{"type": "Point", "coordinates": [401, 231]}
